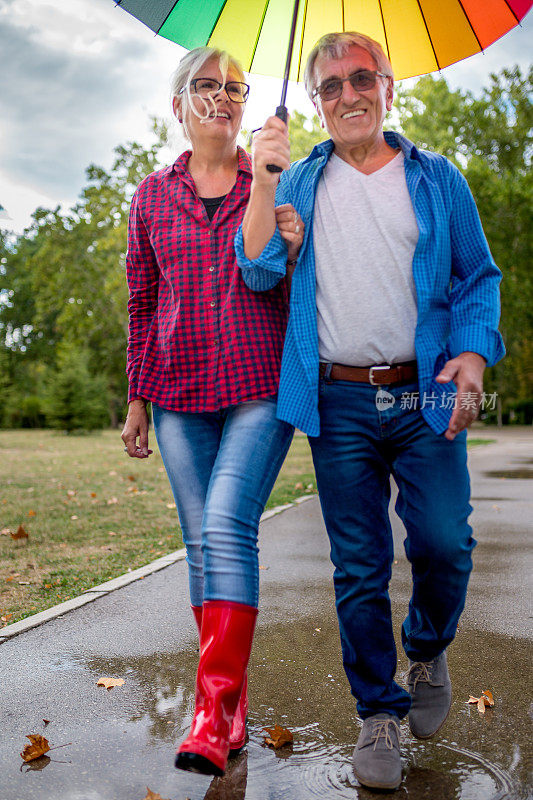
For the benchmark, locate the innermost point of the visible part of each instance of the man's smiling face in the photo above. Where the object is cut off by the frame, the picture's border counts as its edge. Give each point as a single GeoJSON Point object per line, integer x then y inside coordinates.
{"type": "Point", "coordinates": [355, 118]}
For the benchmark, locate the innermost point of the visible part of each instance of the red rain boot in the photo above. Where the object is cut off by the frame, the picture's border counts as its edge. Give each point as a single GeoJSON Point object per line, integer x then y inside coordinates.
{"type": "Point", "coordinates": [225, 645]}
{"type": "Point", "coordinates": [237, 737]}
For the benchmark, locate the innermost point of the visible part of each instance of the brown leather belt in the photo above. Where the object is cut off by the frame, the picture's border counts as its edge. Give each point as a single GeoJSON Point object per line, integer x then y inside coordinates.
{"type": "Point", "coordinates": [377, 376]}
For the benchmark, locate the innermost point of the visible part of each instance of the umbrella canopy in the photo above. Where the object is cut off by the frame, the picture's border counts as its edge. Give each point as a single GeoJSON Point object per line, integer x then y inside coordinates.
{"type": "Point", "coordinates": [419, 36]}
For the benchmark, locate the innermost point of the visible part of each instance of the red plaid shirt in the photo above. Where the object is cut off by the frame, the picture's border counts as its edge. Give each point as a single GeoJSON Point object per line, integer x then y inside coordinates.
{"type": "Point", "coordinates": [199, 339]}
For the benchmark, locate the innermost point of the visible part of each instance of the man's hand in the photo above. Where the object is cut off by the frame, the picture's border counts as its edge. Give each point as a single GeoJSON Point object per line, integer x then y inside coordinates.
{"type": "Point", "coordinates": [466, 370]}
{"type": "Point", "coordinates": [270, 145]}
{"type": "Point", "coordinates": [291, 227]}
{"type": "Point", "coordinates": [136, 426]}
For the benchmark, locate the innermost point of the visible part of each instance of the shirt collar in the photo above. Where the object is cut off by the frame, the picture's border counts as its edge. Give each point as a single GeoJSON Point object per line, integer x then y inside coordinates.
{"type": "Point", "coordinates": [394, 139]}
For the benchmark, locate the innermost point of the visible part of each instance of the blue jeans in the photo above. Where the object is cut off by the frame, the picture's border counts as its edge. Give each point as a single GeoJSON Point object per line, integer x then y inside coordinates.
{"type": "Point", "coordinates": [222, 466]}
{"type": "Point", "coordinates": [358, 449]}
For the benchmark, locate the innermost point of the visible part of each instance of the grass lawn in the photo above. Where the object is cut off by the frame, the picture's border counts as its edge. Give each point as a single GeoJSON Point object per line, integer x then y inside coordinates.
{"type": "Point", "coordinates": [91, 513]}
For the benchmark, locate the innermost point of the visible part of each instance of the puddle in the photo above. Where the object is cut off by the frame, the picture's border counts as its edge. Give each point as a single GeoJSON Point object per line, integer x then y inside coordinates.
{"type": "Point", "coordinates": [518, 474]}
{"type": "Point", "coordinates": [297, 681]}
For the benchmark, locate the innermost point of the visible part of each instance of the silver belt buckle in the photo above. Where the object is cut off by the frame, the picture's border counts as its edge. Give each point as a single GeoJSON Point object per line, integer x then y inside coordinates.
{"type": "Point", "coordinates": [371, 374]}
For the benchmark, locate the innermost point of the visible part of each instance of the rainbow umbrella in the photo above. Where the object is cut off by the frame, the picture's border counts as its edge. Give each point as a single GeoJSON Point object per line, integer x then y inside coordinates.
{"type": "Point", "coordinates": [274, 37]}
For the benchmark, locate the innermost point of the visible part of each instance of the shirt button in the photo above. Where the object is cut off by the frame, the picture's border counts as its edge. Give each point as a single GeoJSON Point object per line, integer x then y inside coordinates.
{"type": "Point", "coordinates": [215, 341]}
{"type": "Point", "coordinates": [211, 269]}
{"type": "Point", "coordinates": [212, 304]}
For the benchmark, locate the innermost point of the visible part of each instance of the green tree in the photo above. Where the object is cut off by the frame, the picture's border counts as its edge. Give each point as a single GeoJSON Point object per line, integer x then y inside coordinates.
{"type": "Point", "coordinates": [75, 400]}
{"type": "Point", "coordinates": [63, 281]}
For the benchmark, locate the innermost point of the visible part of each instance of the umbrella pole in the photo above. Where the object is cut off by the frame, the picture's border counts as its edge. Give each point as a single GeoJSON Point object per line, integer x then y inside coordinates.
{"type": "Point", "coordinates": [281, 110]}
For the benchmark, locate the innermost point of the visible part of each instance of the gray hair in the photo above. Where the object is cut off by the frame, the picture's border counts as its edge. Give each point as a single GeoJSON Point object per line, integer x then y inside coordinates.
{"type": "Point", "coordinates": [190, 64]}
{"type": "Point", "coordinates": [336, 45]}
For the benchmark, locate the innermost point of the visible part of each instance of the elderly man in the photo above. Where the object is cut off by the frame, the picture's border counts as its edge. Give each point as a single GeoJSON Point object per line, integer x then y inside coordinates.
{"type": "Point", "coordinates": [394, 314]}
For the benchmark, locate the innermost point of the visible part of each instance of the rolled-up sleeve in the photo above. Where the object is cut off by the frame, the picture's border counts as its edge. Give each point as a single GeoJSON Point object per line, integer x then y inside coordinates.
{"type": "Point", "coordinates": [475, 296]}
{"type": "Point", "coordinates": [142, 273]}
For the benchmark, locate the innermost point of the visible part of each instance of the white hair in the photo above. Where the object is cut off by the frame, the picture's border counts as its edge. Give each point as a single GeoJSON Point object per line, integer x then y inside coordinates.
{"type": "Point", "coordinates": [188, 67]}
{"type": "Point", "coordinates": [336, 45]}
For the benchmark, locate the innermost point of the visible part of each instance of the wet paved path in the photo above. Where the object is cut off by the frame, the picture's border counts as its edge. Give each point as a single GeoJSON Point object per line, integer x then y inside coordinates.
{"type": "Point", "coordinates": [123, 740]}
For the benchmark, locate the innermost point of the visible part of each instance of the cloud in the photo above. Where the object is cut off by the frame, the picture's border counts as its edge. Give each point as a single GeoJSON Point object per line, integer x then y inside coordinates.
{"type": "Point", "coordinates": [70, 82]}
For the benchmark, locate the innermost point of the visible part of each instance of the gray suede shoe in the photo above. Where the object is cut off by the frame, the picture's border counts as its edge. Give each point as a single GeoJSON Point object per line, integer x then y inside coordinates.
{"type": "Point", "coordinates": [376, 758]}
{"type": "Point", "coordinates": [430, 688]}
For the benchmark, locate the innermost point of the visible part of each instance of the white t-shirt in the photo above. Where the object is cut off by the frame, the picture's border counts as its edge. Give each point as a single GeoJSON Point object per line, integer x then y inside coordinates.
{"type": "Point", "coordinates": [364, 236]}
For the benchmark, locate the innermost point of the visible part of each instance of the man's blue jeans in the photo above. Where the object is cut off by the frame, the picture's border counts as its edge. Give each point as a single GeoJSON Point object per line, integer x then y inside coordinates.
{"type": "Point", "coordinates": [358, 449]}
{"type": "Point", "coordinates": [222, 466]}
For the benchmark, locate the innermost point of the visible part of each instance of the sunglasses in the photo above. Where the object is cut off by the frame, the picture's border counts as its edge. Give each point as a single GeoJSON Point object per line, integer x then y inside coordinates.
{"type": "Point", "coordinates": [206, 87]}
{"type": "Point", "coordinates": [360, 81]}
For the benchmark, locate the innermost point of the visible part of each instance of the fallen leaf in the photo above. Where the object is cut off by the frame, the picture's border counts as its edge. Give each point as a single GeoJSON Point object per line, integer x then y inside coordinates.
{"type": "Point", "coordinates": [152, 795]}
{"type": "Point", "coordinates": [74, 516]}
{"type": "Point", "coordinates": [108, 683]}
{"type": "Point", "coordinates": [488, 695]}
{"type": "Point", "coordinates": [111, 533]}
{"type": "Point", "coordinates": [278, 736]}
{"type": "Point", "coordinates": [71, 493]}
{"type": "Point", "coordinates": [31, 512]}
{"type": "Point", "coordinates": [6, 532]}
{"type": "Point", "coordinates": [20, 534]}
{"type": "Point", "coordinates": [10, 578]}
{"type": "Point", "coordinates": [262, 567]}
{"type": "Point", "coordinates": [484, 700]}
{"type": "Point", "coordinates": [93, 494]}
{"type": "Point", "coordinates": [132, 478]}
{"type": "Point", "coordinates": [24, 583]}
{"type": "Point", "coordinates": [171, 505]}
{"type": "Point", "coordinates": [37, 765]}
{"type": "Point", "coordinates": [112, 501]}
{"type": "Point", "coordinates": [38, 747]}
{"type": "Point", "coordinates": [298, 485]}
{"type": "Point", "coordinates": [6, 617]}
{"type": "Point", "coordinates": [112, 472]}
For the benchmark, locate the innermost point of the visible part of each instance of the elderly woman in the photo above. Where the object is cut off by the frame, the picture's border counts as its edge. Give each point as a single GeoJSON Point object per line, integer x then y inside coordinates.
{"type": "Point", "coordinates": [206, 352]}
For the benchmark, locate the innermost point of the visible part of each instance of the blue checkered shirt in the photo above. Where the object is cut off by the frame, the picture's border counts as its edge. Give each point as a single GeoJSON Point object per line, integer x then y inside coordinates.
{"type": "Point", "coordinates": [456, 279]}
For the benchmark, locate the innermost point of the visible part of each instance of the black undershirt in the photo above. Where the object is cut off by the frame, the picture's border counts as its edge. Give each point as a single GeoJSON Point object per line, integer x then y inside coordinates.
{"type": "Point", "coordinates": [211, 205]}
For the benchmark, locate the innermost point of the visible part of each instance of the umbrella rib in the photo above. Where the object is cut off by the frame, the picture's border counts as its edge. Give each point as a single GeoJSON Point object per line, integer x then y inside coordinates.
{"type": "Point", "coordinates": [222, 7]}
{"type": "Point", "coordinates": [429, 35]}
{"type": "Point", "coordinates": [384, 29]}
{"type": "Point", "coordinates": [168, 15]}
{"type": "Point", "coordinates": [471, 26]}
{"type": "Point", "coordinates": [511, 10]}
{"type": "Point", "coordinates": [259, 34]}
{"type": "Point", "coordinates": [302, 41]}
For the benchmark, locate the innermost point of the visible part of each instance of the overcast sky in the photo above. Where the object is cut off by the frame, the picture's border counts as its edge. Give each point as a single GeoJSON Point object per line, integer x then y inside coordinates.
{"type": "Point", "coordinates": [78, 78]}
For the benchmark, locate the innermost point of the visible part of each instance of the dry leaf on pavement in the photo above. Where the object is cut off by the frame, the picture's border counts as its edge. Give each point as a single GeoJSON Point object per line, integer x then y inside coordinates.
{"type": "Point", "coordinates": [110, 682]}
{"type": "Point", "coordinates": [38, 747]}
{"type": "Point", "coordinates": [486, 699]}
{"type": "Point", "coordinates": [152, 795]}
{"type": "Point", "coordinates": [278, 736]}
{"type": "Point", "coordinates": [20, 534]}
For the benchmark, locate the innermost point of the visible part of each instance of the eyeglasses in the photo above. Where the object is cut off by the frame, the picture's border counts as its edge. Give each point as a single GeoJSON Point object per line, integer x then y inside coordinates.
{"type": "Point", "coordinates": [207, 87]}
{"type": "Point", "coordinates": [360, 81]}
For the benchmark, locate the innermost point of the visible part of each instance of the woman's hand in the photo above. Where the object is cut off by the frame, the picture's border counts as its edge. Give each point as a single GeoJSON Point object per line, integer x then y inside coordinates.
{"type": "Point", "coordinates": [291, 227]}
{"type": "Point", "coordinates": [136, 426]}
